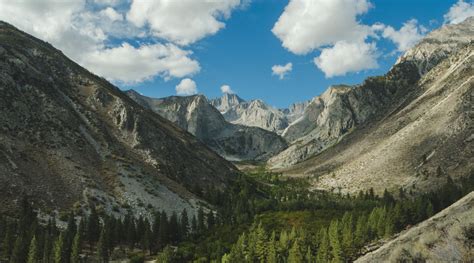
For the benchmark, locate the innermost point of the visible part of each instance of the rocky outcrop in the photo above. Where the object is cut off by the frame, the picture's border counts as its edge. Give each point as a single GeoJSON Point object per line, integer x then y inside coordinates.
{"type": "Point", "coordinates": [256, 113]}
{"type": "Point", "coordinates": [232, 141]}
{"type": "Point", "coordinates": [408, 130]}
{"type": "Point", "coordinates": [68, 137]}
{"type": "Point", "coordinates": [446, 237]}
{"type": "Point", "coordinates": [226, 102]}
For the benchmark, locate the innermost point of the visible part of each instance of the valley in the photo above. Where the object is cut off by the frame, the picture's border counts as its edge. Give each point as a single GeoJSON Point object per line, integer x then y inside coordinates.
{"type": "Point", "coordinates": [381, 171]}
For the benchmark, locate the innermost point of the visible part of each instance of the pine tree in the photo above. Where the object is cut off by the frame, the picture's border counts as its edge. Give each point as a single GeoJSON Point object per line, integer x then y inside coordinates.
{"type": "Point", "coordinates": [194, 224]}
{"type": "Point", "coordinates": [20, 249]}
{"type": "Point", "coordinates": [361, 232]}
{"type": "Point", "coordinates": [58, 250]}
{"type": "Point", "coordinates": [184, 221]}
{"type": "Point", "coordinates": [335, 241]}
{"type": "Point", "coordinates": [33, 251]}
{"type": "Point", "coordinates": [210, 219]}
{"type": "Point", "coordinates": [173, 228]}
{"type": "Point", "coordinates": [77, 245]}
{"type": "Point", "coordinates": [272, 256]}
{"type": "Point", "coordinates": [200, 221]}
{"type": "Point", "coordinates": [347, 235]}
{"type": "Point", "coordinates": [102, 250]}
{"type": "Point", "coordinates": [93, 226]}
{"type": "Point", "coordinates": [163, 232]}
{"type": "Point", "coordinates": [295, 255]}
{"type": "Point", "coordinates": [47, 248]}
{"type": "Point", "coordinates": [324, 247]}
{"type": "Point", "coordinates": [260, 243]}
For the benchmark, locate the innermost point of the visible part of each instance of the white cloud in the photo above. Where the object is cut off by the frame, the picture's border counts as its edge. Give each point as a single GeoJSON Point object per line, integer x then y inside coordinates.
{"type": "Point", "coordinates": [282, 70]}
{"type": "Point", "coordinates": [111, 14]}
{"type": "Point", "coordinates": [226, 89]}
{"type": "Point", "coordinates": [459, 12]}
{"type": "Point", "coordinates": [408, 35]}
{"type": "Point", "coordinates": [306, 25]}
{"type": "Point", "coordinates": [346, 57]}
{"type": "Point", "coordinates": [129, 64]}
{"type": "Point", "coordinates": [183, 21]}
{"type": "Point", "coordinates": [82, 34]}
{"type": "Point", "coordinates": [186, 87]}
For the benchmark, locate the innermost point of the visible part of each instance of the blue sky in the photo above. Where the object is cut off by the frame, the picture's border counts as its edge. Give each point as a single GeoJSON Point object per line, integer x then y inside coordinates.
{"type": "Point", "coordinates": [242, 54]}
{"type": "Point", "coordinates": [164, 47]}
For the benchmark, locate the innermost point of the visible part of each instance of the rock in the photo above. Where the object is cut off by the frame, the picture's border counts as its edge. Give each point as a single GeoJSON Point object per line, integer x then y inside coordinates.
{"type": "Point", "coordinates": [232, 141]}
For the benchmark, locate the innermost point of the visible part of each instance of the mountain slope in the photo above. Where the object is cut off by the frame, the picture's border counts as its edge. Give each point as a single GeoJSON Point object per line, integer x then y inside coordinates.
{"type": "Point", "coordinates": [446, 237]}
{"type": "Point", "coordinates": [422, 134]}
{"type": "Point", "coordinates": [196, 115]}
{"type": "Point", "coordinates": [69, 137]}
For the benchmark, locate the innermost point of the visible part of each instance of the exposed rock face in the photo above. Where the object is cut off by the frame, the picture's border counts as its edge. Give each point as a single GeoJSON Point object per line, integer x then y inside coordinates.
{"type": "Point", "coordinates": [445, 237]}
{"type": "Point", "coordinates": [226, 102]}
{"type": "Point", "coordinates": [256, 113]}
{"type": "Point", "coordinates": [196, 115]}
{"type": "Point", "coordinates": [410, 130]}
{"type": "Point", "coordinates": [68, 136]}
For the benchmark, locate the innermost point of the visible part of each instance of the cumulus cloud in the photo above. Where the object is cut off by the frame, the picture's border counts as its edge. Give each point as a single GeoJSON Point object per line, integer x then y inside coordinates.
{"type": "Point", "coordinates": [111, 14]}
{"type": "Point", "coordinates": [282, 70]}
{"type": "Point", "coordinates": [406, 37]}
{"type": "Point", "coordinates": [459, 12]}
{"type": "Point", "coordinates": [130, 65]}
{"type": "Point", "coordinates": [184, 21]}
{"type": "Point", "coordinates": [346, 57]}
{"type": "Point", "coordinates": [306, 25]}
{"type": "Point", "coordinates": [82, 32]}
{"type": "Point", "coordinates": [226, 89]}
{"type": "Point", "coordinates": [186, 87]}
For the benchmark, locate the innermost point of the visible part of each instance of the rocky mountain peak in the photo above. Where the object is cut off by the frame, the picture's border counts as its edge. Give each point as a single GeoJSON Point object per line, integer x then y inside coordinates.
{"type": "Point", "coordinates": [438, 45]}
{"type": "Point", "coordinates": [226, 102]}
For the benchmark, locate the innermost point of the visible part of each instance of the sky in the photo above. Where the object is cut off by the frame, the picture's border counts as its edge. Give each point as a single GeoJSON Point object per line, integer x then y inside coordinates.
{"type": "Point", "coordinates": [278, 51]}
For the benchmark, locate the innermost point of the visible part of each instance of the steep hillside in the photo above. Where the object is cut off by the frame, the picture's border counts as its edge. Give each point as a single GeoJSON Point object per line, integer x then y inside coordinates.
{"type": "Point", "coordinates": [68, 137]}
{"type": "Point", "coordinates": [446, 237]}
{"type": "Point", "coordinates": [422, 133]}
{"type": "Point", "coordinates": [196, 115]}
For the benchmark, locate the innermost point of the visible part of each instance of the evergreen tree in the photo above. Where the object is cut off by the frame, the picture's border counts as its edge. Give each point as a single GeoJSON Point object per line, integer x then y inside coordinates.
{"type": "Point", "coordinates": [47, 248]}
{"type": "Point", "coordinates": [324, 246]}
{"type": "Point", "coordinates": [272, 255]}
{"type": "Point", "coordinates": [295, 255]}
{"type": "Point", "coordinates": [347, 235]}
{"type": "Point", "coordinates": [77, 245]}
{"type": "Point", "coordinates": [210, 219]}
{"type": "Point", "coordinates": [20, 249]}
{"type": "Point", "coordinates": [173, 228]}
{"type": "Point", "coordinates": [58, 250]}
{"type": "Point", "coordinates": [93, 226]}
{"type": "Point", "coordinates": [163, 232]}
{"type": "Point", "coordinates": [200, 221]}
{"type": "Point", "coordinates": [361, 232]}
{"type": "Point", "coordinates": [260, 243]}
{"type": "Point", "coordinates": [33, 256]}
{"type": "Point", "coordinates": [184, 221]}
{"type": "Point", "coordinates": [194, 224]}
{"type": "Point", "coordinates": [102, 250]}
{"type": "Point", "coordinates": [335, 241]}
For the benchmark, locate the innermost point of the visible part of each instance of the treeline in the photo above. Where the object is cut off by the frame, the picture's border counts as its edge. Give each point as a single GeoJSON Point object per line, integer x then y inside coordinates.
{"type": "Point", "coordinates": [343, 239]}
{"type": "Point", "coordinates": [94, 237]}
